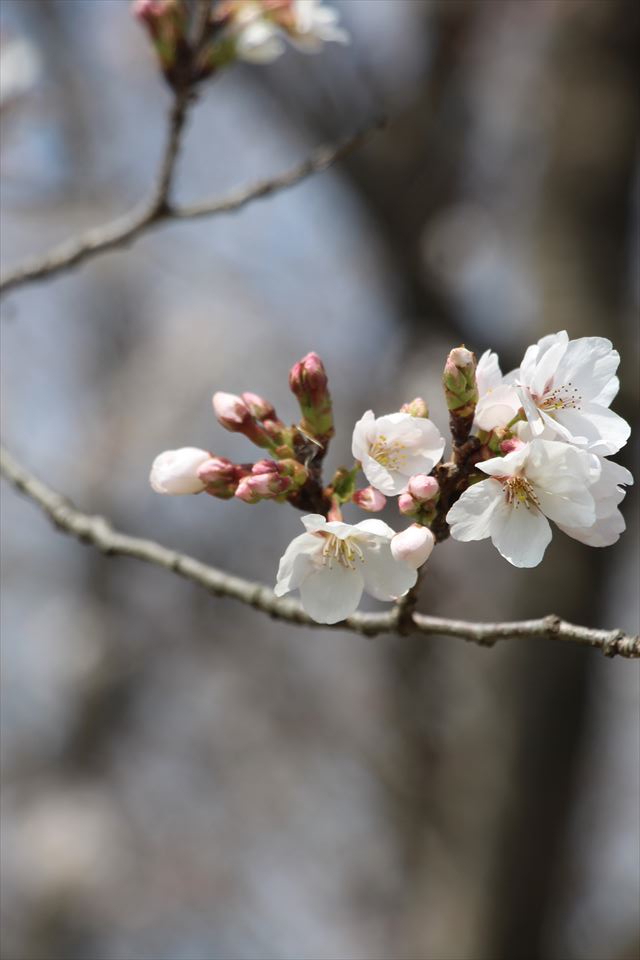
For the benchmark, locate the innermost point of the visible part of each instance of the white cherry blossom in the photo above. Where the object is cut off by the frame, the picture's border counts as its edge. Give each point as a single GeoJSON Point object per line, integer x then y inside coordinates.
{"type": "Point", "coordinates": [260, 29]}
{"type": "Point", "coordinates": [543, 479]}
{"type": "Point", "coordinates": [568, 386]}
{"type": "Point", "coordinates": [333, 562]}
{"type": "Point", "coordinates": [394, 448]}
{"type": "Point", "coordinates": [258, 39]}
{"type": "Point", "coordinates": [175, 472]}
{"type": "Point", "coordinates": [315, 25]}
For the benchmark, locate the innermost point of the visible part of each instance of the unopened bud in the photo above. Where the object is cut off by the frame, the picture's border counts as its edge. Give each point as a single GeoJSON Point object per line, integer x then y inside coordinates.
{"type": "Point", "coordinates": [369, 499]}
{"type": "Point", "coordinates": [167, 22]}
{"type": "Point", "coordinates": [407, 505]}
{"type": "Point", "coordinates": [511, 445]}
{"type": "Point", "coordinates": [231, 411]}
{"type": "Point", "coordinates": [221, 477]}
{"type": "Point", "coordinates": [308, 381]}
{"type": "Point", "coordinates": [258, 407]}
{"type": "Point", "coordinates": [422, 488]}
{"type": "Point", "coordinates": [281, 437]}
{"type": "Point", "coordinates": [416, 408]}
{"type": "Point", "coordinates": [175, 472]}
{"type": "Point", "coordinates": [270, 479]}
{"type": "Point", "coordinates": [149, 9]}
{"type": "Point", "coordinates": [264, 486]}
{"type": "Point", "coordinates": [234, 415]}
{"type": "Point", "coordinates": [459, 379]}
{"type": "Point", "coordinates": [413, 546]}
{"type": "Point", "coordinates": [294, 471]}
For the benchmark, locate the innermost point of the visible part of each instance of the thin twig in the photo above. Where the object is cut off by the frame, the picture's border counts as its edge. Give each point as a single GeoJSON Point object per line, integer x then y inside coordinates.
{"type": "Point", "coordinates": [98, 531]}
{"type": "Point", "coordinates": [159, 209]}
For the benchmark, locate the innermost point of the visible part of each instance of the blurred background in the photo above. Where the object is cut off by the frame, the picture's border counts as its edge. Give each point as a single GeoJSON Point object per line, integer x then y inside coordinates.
{"type": "Point", "coordinates": [183, 779]}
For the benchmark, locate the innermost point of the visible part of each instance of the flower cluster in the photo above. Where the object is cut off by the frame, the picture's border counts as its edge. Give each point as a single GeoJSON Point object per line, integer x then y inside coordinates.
{"type": "Point", "coordinates": [550, 424]}
{"type": "Point", "coordinates": [527, 448]}
{"type": "Point", "coordinates": [251, 30]}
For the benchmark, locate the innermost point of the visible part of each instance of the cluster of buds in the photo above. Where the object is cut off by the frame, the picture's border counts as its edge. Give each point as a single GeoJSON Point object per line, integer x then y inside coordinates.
{"type": "Point", "coordinates": [296, 452]}
{"type": "Point", "coordinates": [271, 480]}
{"type": "Point", "coordinates": [191, 47]}
{"type": "Point", "coordinates": [256, 418]}
{"type": "Point", "coordinates": [420, 498]}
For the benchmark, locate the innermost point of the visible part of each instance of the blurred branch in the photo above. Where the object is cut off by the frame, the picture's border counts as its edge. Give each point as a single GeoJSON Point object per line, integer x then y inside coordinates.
{"type": "Point", "coordinates": [98, 531]}
{"type": "Point", "coordinates": [159, 209]}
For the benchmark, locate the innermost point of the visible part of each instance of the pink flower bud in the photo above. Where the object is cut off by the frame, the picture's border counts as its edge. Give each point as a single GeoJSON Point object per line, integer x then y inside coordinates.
{"type": "Point", "coordinates": [407, 505]}
{"type": "Point", "coordinates": [413, 545]}
{"type": "Point", "coordinates": [511, 445]}
{"type": "Point", "coordinates": [308, 381]}
{"type": "Point", "coordinates": [266, 481]}
{"type": "Point", "coordinates": [308, 378]}
{"type": "Point", "coordinates": [231, 411]}
{"type": "Point", "coordinates": [416, 408]}
{"type": "Point", "coordinates": [217, 469]}
{"type": "Point", "coordinates": [258, 407]}
{"type": "Point", "coordinates": [175, 472]}
{"type": "Point", "coordinates": [244, 491]}
{"type": "Point", "coordinates": [423, 488]}
{"type": "Point", "coordinates": [148, 9]}
{"type": "Point", "coordinates": [234, 415]}
{"type": "Point", "coordinates": [369, 499]}
{"type": "Point", "coordinates": [264, 467]}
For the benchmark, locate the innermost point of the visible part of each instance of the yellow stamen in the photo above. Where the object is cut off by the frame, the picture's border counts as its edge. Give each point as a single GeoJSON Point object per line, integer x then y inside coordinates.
{"type": "Point", "coordinates": [388, 454]}
{"type": "Point", "coordinates": [346, 552]}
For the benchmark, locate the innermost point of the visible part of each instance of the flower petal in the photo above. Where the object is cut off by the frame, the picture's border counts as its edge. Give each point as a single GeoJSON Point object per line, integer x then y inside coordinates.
{"type": "Point", "coordinates": [376, 527]}
{"type": "Point", "coordinates": [363, 433]}
{"type": "Point", "coordinates": [332, 593]}
{"type": "Point", "coordinates": [313, 522]}
{"type": "Point", "coordinates": [488, 373]}
{"type": "Point", "coordinates": [385, 578]}
{"type": "Point", "coordinates": [297, 563]}
{"type": "Point", "coordinates": [470, 517]}
{"type": "Point", "coordinates": [497, 407]}
{"type": "Point", "coordinates": [589, 364]}
{"type": "Point", "coordinates": [520, 533]}
{"type": "Point", "coordinates": [605, 431]}
{"type": "Point", "coordinates": [546, 369]}
{"type": "Point", "coordinates": [391, 484]}
{"type": "Point", "coordinates": [603, 533]}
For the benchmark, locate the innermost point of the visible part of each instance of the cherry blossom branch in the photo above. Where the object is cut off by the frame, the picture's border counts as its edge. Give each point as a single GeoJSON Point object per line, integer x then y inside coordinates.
{"type": "Point", "coordinates": [158, 209]}
{"type": "Point", "coordinates": [97, 531]}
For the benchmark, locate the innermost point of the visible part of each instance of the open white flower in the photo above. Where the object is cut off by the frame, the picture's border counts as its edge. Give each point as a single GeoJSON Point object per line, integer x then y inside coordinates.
{"type": "Point", "coordinates": [175, 472]}
{"type": "Point", "coordinates": [315, 25]}
{"type": "Point", "coordinates": [543, 479]}
{"type": "Point", "coordinates": [498, 401]}
{"type": "Point", "coordinates": [568, 386]}
{"type": "Point", "coordinates": [333, 562]}
{"type": "Point", "coordinates": [394, 448]}
{"type": "Point", "coordinates": [258, 39]}
{"type": "Point", "coordinates": [260, 28]}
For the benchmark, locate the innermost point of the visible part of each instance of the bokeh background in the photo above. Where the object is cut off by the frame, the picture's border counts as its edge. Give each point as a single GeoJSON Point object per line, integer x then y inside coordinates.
{"type": "Point", "coordinates": [183, 779]}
